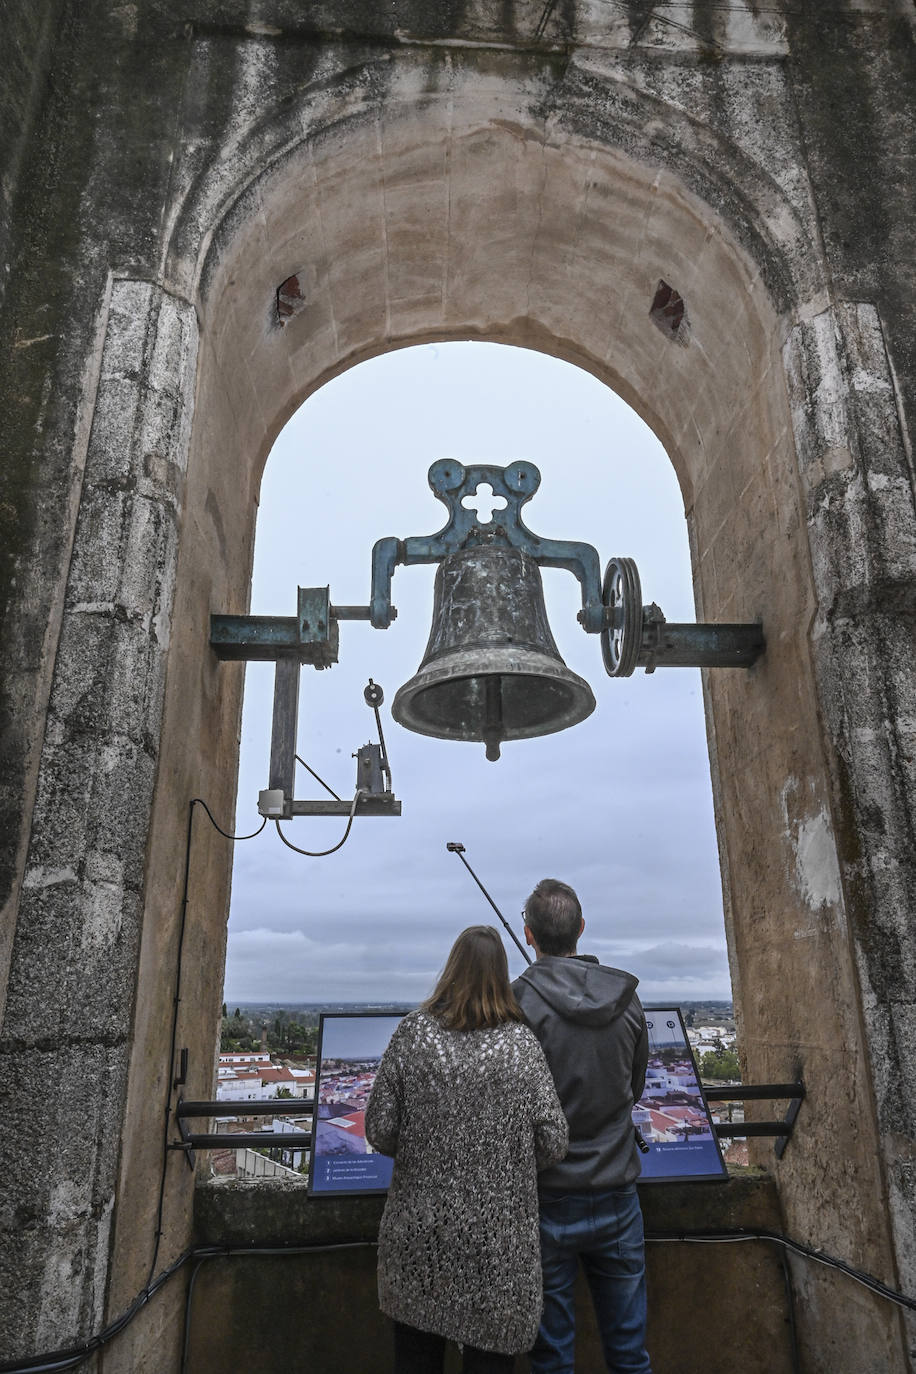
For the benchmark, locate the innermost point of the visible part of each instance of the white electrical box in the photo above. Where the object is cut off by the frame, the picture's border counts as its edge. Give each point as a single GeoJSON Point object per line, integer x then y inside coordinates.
{"type": "Point", "coordinates": [270, 802]}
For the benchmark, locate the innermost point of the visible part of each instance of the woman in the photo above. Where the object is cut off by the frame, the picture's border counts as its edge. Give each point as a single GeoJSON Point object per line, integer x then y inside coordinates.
{"type": "Point", "coordinates": [465, 1103]}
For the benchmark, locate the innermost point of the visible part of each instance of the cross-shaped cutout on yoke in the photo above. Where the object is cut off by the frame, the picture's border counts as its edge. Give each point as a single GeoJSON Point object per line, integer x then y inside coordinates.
{"type": "Point", "coordinates": [484, 503]}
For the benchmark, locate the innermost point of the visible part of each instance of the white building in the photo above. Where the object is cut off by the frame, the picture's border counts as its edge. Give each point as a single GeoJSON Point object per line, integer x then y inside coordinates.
{"type": "Point", "coordinates": [239, 1085]}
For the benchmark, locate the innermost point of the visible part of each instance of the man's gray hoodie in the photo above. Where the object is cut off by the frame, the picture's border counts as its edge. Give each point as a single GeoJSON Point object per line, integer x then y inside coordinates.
{"type": "Point", "coordinates": [593, 1031]}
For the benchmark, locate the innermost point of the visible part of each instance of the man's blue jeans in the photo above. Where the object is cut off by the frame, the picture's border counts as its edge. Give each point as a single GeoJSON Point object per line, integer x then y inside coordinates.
{"type": "Point", "coordinates": [605, 1231]}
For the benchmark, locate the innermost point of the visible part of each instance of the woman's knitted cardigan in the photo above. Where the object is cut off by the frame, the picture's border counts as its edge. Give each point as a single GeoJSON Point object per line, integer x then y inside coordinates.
{"type": "Point", "coordinates": [470, 1117]}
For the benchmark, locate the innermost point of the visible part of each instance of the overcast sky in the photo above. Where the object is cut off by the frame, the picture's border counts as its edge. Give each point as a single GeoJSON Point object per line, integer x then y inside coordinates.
{"type": "Point", "coordinates": [619, 806]}
{"type": "Point", "coordinates": [357, 1037]}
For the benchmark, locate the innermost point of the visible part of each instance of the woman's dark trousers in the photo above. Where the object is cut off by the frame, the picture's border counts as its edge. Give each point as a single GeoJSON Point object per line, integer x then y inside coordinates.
{"type": "Point", "coordinates": [420, 1352]}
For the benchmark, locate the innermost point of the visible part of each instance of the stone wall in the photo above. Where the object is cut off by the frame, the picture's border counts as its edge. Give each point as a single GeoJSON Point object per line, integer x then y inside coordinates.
{"type": "Point", "coordinates": [712, 1307]}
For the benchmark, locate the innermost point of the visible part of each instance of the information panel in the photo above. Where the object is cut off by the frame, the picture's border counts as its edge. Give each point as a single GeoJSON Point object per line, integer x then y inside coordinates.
{"type": "Point", "coordinates": [672, 1115]}
{"type": "Point", "coordinates": [349, 1049]}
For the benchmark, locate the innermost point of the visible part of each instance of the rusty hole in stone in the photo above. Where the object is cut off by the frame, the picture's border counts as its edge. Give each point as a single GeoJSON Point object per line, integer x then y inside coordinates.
{"type": "Point", "coordinates": [290, 300]}
{"type": "Point", "coordinates": [669, 313]}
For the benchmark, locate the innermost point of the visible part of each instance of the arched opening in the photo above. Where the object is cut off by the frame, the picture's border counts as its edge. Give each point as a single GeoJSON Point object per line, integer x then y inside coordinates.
{"type": "Point", "coordinates": [622, 805]}
{"type": "Point", "coordinates": [475, 215]}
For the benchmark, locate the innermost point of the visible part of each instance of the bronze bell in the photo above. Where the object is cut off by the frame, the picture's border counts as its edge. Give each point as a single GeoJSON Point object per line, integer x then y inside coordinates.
{"type": "Point", "coordinates": [491, 670]}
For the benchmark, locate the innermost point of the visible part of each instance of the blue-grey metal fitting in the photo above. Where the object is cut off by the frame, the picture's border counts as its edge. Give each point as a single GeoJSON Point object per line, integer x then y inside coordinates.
{"type": "Point", "coordinates": [485, 504]}
{"type": "Point", "coordinates": [462, 490]}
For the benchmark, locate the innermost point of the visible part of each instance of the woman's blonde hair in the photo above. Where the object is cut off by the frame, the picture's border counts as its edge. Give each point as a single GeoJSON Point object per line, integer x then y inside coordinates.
{"type": "Point", "coordinates": [473, 990]}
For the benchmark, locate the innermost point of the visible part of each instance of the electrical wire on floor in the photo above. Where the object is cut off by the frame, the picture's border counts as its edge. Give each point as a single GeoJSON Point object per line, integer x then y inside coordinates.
{"type": "Point", "coordinates": [736, 1235]}
{"type": "Point", "coordinates": [60, 1360]}
{"type": "Point", "coordinates": [204, 1253]}
{"type": "Point", "coordinates": [790, 1312]}
{"type": "Point", "coordinates": [78, 1354]}
{"type": "Point", "coordinates": [69, 1359]}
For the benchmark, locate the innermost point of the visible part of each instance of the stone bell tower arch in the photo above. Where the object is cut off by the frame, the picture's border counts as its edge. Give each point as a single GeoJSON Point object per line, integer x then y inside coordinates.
{"type": "Point", "coordinates": [659, 225]}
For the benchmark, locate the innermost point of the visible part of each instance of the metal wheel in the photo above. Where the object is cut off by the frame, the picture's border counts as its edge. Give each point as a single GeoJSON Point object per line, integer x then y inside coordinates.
{"type": "Point", "coordinates": [622, 596]}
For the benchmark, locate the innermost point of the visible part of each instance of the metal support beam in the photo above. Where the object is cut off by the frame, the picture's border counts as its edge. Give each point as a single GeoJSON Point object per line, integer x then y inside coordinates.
{"type": "Point", "coordinates": [748, 1128]}
{"type": "Point", "coordinates": [276, 1106]}
{"type": "Point", "coordinates": [382, 804]}
{"type": "Point", "coordinates": [246, 1140]}
{"type": "Point", "coordinates": [283, 731]}
{"type": "Point", "coordinates": [241, 1140]}
{"type": "Point", "coordinates": [310, 636]}
{"type": "Point", "coordinates": [669, 645]}
{"type": "Point", "coordinates": [754, 1092]}
{"type": "Point", "coordinates": [794, 1093]}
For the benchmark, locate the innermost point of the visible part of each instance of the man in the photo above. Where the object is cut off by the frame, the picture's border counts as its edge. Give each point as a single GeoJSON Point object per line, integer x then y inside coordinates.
{"type": "Point", "coordinates": [593, 1031]}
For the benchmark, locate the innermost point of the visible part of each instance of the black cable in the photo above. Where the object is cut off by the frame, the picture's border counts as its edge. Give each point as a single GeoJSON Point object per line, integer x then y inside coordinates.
{"type": "Point", "coordinates": [199, 801]}
{"type": "Point", "coordinates": [76, 1355]}
{"type": "Point", "coordinates": [176, 1001]}
{"type": "Point", "coordinates": [790, 1309]}
{"type": "Point", "coordinates": [204, 1253]}
{"type": "Point", "coordinates": [732, 6]}
{"type": "Point", "coordinates": [69, 1359]}
{"type": "Point", "coordinates": [322, 853]}
{"type": "Point", "coordinates": [732, 1235]}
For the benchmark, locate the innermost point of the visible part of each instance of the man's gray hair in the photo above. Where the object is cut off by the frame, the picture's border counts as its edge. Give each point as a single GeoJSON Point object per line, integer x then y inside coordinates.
{"type": "Point", "coordinates": [553, 914]}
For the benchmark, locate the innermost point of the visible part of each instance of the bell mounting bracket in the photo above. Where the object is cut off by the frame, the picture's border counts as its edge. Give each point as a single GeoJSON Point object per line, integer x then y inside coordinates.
{"type": "Point", "coordinates": [632, 635]}
{"type": "Point", "coordinates": [311, 636]}
{"type": "Point", "coordinates": [458, 487]}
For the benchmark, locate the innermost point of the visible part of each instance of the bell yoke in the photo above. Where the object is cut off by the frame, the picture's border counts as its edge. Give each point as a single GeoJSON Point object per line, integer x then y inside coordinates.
{"type": "Point", "coordinates": [491, 670]}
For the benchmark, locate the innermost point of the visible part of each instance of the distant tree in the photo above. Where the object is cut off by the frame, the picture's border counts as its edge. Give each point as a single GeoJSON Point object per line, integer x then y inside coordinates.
{"type": "Point", "coordinates": [284, 1092]}
{"type": "Point", "coordinates": [224, 1011]}
{"type": "Point", "coordinates": [720, 1064]}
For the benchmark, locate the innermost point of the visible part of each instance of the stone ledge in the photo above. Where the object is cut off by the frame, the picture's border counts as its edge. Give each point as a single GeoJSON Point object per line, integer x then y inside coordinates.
{"type": "Point", "coordinates": [261, 1311]}
{"type": "Point", "coordinates": [231, 1211]}
{"type": "Point", "coordinates": [748, 1197]}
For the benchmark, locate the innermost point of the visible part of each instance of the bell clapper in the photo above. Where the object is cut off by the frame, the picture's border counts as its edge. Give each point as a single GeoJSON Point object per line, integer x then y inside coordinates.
{"type": "Point", "coordinates": [493, 716]}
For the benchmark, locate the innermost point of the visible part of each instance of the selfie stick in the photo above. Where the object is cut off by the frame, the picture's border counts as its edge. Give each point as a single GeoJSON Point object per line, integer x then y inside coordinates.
{"type": "Point", "coordinates": [454, 847]}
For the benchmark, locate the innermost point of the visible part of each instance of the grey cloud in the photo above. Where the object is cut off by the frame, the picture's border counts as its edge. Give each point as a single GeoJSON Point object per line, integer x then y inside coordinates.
{"type": "Point", "coordinates": [681, 971]}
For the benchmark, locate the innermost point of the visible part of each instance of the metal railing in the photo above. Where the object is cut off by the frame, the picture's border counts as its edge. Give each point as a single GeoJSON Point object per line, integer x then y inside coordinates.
{"type": "Point", "coordinates": [190, 1141]}
{"type": "Point", "coordinates": [794, 1093]}
{"type": "Point", "coordinates": [215, 1140]}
